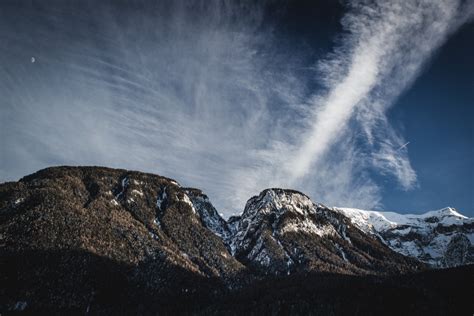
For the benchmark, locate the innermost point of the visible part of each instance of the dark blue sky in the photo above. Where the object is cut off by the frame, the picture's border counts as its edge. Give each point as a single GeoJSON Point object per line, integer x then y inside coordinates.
{"type": "Point", "coordinates": [235, 97]}
{"type": "Point", "coordinates": [437, 116]}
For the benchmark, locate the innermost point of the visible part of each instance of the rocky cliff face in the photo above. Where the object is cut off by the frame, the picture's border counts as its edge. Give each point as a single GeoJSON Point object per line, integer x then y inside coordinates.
{"type": "Point", "coordinates": [208, 215]}
{"type": "Point", "coordinates": [442, 238]}
{"type": "Point", "coordinates": [283, 231]}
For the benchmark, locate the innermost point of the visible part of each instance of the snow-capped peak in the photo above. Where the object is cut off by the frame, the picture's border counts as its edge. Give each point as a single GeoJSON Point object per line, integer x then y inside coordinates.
{"type": "Point", "coordinates": [278, 200]}
{"type": "Point", "coordinates": [424, 236]}
{"type": "Point", "coordinates": [283, 231]}
{"type": "Point", "coordinates": [386, 220]}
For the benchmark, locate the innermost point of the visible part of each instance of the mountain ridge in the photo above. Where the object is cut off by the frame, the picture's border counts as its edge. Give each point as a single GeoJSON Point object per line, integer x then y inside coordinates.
{"type": "Point", "coordinates": [103, 229]}
{"type": "Point", "coordinates": [427, 237]}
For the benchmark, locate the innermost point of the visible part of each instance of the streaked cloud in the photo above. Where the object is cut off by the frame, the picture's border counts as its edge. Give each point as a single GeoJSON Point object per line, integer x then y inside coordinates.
{"type": "Point", "coordinates": [201, 91]}
{"type": "Point", "coordinates": [387, 44]}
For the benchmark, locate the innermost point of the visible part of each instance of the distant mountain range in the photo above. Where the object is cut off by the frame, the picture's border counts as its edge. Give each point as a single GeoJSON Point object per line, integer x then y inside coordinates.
{"type": "Point", "coordinates": [100, 240]}
{"type": "Point", "coordinates": [442, 238]}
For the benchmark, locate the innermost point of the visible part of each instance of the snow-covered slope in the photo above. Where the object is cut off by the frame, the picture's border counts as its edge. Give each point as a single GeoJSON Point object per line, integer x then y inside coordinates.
{"type": "Point", "coordinates": [209, 216]}
{"type": "Point", "coordinates": [283, 231]}
{"type": "Point", "coordinates": [442, 238]}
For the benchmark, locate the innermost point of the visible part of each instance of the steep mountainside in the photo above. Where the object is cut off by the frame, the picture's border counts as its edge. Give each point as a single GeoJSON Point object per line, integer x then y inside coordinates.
{"type": "Point", "coordinates": [442, 238]}
{"type": "Point", "coordinates": [61, 225]}
{"type": "Point", "coordinates": [208, 215]}
{"type": "Point", "coordinates": [281, 231]}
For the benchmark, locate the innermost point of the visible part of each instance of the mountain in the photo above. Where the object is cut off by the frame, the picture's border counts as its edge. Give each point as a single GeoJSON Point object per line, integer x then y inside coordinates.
{"type": "Point", "coordinates": [442, 238]}
{"type": "Point", "coordinates": [66, 228]}
{"type": "Point", "coordinates": [282, 231]}
{"type": "Point", "coordinates": [94, 240]}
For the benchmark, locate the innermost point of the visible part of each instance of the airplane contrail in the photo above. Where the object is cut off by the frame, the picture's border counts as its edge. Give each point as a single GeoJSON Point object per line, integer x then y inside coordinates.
{"type": "Point", "coordinates": [403, 146]}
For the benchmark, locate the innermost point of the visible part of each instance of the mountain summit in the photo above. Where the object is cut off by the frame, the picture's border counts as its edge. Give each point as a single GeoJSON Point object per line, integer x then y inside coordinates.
{"type": "Point", "coordinates": [442, 238]}
{"type": "Point", "coordinates": [282, 231]}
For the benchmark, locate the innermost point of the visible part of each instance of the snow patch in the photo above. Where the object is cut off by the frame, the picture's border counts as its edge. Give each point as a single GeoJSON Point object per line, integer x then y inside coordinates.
{"type": "Point", "coordinates": [18, 201]}
{"type": "Point", "coordinates": [343, 254]}
{"type": "Point", "coordinates": [209, 216]}
{"type": "Point", "coordinates": [263, 258]}
{"type": "Point", "coordinates": [157, 222]}
{"type": "Point", "coordinates": [403, 231]}
{"type": "Point", "coordinates": [309, 227]}
{"type": "Point", "coordinates": [153, 235]}
{"type": "Point", "coordinates": [186, 200]}
{"type": "Point", "coordinates": [137, 192]}
{"type": "Point", "coordinates": [343, 234]}
{"type": "Point", "coordinates": [161, 198]}
{"type": "Point", "coordinates": [124, 184]}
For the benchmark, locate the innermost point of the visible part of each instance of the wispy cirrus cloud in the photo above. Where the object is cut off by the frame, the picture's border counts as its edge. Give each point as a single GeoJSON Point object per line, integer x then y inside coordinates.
{"type": "Point", "coordinates": [201, 91]}
{"type": "Point", "coordinates": [385, 47]}
{"type": "Point", "coordinates": [387, 44]}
